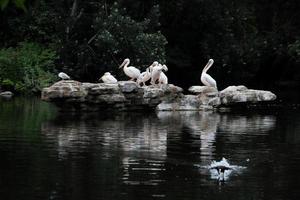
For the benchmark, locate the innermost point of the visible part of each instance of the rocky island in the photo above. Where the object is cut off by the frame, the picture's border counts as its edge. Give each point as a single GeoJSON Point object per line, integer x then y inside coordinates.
{"type": "Point", "coordinates": [70, 95]}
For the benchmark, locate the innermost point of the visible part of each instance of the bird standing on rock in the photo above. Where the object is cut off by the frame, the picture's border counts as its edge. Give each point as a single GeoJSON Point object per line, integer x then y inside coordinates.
{"type": "Point", "coordinates": [130, 71]}
{"type": "Point", "coordinates": [156, 71]}
{"type": "Point", "coordinates": [63, 76]}
{"type": "Point", "coordinates": [108, 78]}
{"type": "Point", "coordinates": [206, 79]}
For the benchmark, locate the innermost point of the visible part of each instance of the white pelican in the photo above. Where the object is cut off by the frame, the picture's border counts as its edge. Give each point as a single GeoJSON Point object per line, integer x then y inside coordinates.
{"type": "Point", "coordinates": [108, 78]}
{"type": "Point", "coordinates": [206, 79]}
{"type": "Point", "coordinates": [63, 76]}
{"type": "Point", "coordinates": [145, 76]}
{"type": "Point", "coordinates": [163, 79]}
{"type": "Point", "coordinates": [156, 71]}
{"type": "Point", "coordinates": [130, 71]}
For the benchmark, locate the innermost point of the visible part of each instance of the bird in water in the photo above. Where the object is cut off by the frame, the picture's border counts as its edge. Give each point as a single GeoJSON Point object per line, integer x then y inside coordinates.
{"type": "Point", "coordinates": [108, 78]}
{"type": "Point", "coordinates": [221, 167]}
{"type": "Point", "coordinates": [206, 79]}
{"type": "Point", "coordinates": [221, 171]}
{"type": "Point", "coordinates": [63, 76]}
{"type": "Point", "coordinates": [130, 71]}
{"type": "Point", "coordinates": [156, 71]}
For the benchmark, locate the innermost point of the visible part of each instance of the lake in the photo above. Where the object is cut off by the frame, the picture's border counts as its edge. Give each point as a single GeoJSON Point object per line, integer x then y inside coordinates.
{"type": "Point", "coordinates": [49, 155]}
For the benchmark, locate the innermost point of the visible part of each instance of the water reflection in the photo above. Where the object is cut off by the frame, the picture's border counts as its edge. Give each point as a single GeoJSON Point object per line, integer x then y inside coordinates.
{"type": "Point", "coordinates": [145, 155]}
{"type": "Point", "coordinates": [153, 136]}
{"type": "Point", "coordinates": [133, 134]}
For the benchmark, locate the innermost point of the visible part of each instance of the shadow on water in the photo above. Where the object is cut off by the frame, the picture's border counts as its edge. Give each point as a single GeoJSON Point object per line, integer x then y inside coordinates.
{"type": "Point", "coordinates": [50, 155]}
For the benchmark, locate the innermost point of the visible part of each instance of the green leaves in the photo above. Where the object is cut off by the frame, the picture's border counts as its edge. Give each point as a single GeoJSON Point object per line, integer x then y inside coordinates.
{"type": "Point", "coordinates": [3, 4]}
{"type": "Point", "coordinates": [121, 36]}
{"type": "Point", "coordinates": [28, 67]}
{"type": "Point", "coordinates": [18, 3]}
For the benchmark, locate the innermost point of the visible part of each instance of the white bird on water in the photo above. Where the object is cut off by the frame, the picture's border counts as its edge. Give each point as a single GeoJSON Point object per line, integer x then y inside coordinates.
{"type": "Point", "coordinates": [156, 71]}
{"type": "Point", "coordinates": [130, 71]}
{"type": "Point", "coordinates": [63, 76]}
{"type": "Point", "coordinates": [108, 78]}
{"type": "Point", "coordinates": [206, 79]}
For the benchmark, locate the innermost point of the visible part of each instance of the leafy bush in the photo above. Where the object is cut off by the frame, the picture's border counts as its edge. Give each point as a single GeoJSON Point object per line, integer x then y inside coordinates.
{"type": "Point", "coordinates": [28, 67]}
{"type": "Point", "coordinates": [111, 36]}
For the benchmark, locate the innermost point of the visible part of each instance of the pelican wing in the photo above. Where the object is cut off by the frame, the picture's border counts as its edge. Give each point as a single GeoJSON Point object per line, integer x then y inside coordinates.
{"type": "Point", "coordinates": [132, 72]}
{"type": "Point", "coordinates": [208, 80]}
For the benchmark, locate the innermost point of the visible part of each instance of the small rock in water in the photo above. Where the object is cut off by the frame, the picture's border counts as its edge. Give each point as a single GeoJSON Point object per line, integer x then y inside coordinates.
{"type": "Point", "coordinates": [6, 94]}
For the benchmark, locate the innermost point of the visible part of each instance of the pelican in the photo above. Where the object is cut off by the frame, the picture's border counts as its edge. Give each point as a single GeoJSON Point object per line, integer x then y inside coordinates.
{"type": "Point", "coordinates": [145, 76]}
{"type": "Point", "coordinates": [206, 79]}
{"type": "Point", "coordinates": [108, 78]}
{"type": "Point", "coordinates": [156, 71]}
{"type": "Point", "coordinates": [163, 79]}
{"type": "Point", "coordinates": [63, 76]}
{"type": "Point", "coordinates": [130, 71]}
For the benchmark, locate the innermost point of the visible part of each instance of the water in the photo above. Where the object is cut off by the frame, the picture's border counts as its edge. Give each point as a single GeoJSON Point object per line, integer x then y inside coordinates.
{"type": "Point", "coordinates": [47, 155]}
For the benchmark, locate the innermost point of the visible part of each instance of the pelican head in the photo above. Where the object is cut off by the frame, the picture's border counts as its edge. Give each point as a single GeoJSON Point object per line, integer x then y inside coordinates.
{"type": "Point", "coordinates": [124, 62]}
{"type": "Point", "coordinates": [107, 73]}
{"type": "Point", "coordinates": [208, 65]}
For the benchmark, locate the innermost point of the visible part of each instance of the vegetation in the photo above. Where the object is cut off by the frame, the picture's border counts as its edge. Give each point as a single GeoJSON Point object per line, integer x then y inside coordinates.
{"type": "Point", "coordinates": [27, 67]}
{"type": "Point", "coordinates": [249, 40]}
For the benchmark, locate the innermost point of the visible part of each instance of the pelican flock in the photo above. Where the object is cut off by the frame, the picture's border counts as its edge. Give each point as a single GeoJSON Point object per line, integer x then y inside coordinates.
{"type": "Point", "coordinates": [206, 79]}
{"type": "Point", "coordinates": [153, 72]}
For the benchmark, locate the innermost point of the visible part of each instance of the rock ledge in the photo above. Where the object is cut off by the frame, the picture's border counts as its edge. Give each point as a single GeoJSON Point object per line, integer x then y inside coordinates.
{"type": "Point", "coordinates": [127, 95]}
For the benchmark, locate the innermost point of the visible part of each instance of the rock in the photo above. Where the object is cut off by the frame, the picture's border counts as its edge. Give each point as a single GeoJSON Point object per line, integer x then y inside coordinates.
{"type": "Point", "coordinates": [6, 94]}
{"type": "Point", "coordinates": [66, 89]}
{"type": "Point", "coordinates": [124, 95]}
{"type": "Point", "coordinates": [202, 89]}
{"type": "Point", "coordinates": [128, 86]}
{"type": "Point", "coordinates": [127, 95]}
{"type": "Point", "coordinates": [237, 94]}
{"type": "Point", "coordinates": [186, 102]}
{"type": "Point", "coordinates": [152, 92]}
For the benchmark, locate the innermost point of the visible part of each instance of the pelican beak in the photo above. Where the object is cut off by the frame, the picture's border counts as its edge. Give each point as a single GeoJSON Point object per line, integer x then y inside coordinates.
{"type": "Point", "coordinates": [166, 68]}
{"type": "Point", "coordinates": [123, 63]}
{"type": "Point", "coordinates": [126, 61]}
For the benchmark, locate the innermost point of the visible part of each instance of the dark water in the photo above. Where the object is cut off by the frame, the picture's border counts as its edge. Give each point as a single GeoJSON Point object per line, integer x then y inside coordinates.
{"type": "Point", "coordinates": [46, 155]}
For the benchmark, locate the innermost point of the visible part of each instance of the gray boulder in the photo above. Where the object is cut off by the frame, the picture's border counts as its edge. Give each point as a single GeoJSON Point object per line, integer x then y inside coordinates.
{"type": "Point", "coordinates": [124, 95]}
{"type": "Point", "coordinates": [238, 94]}
{"type": "Point", "coordinates": [127, 95]}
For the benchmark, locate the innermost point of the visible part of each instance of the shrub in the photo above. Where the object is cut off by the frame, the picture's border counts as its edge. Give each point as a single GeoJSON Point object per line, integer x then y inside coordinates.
{"type": "Point", "coordinates": [28, 67]}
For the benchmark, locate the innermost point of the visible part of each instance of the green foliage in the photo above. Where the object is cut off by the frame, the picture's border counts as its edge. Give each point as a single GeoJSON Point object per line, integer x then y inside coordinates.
{"type": "Point", "coordinates": [28, 67]}
{"type": "Point", "coordinates": [246, 38]}
{"type": "Point", "coordinates": [119, 36]}
{"type": "Point", "coordinates": [18, 3]}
